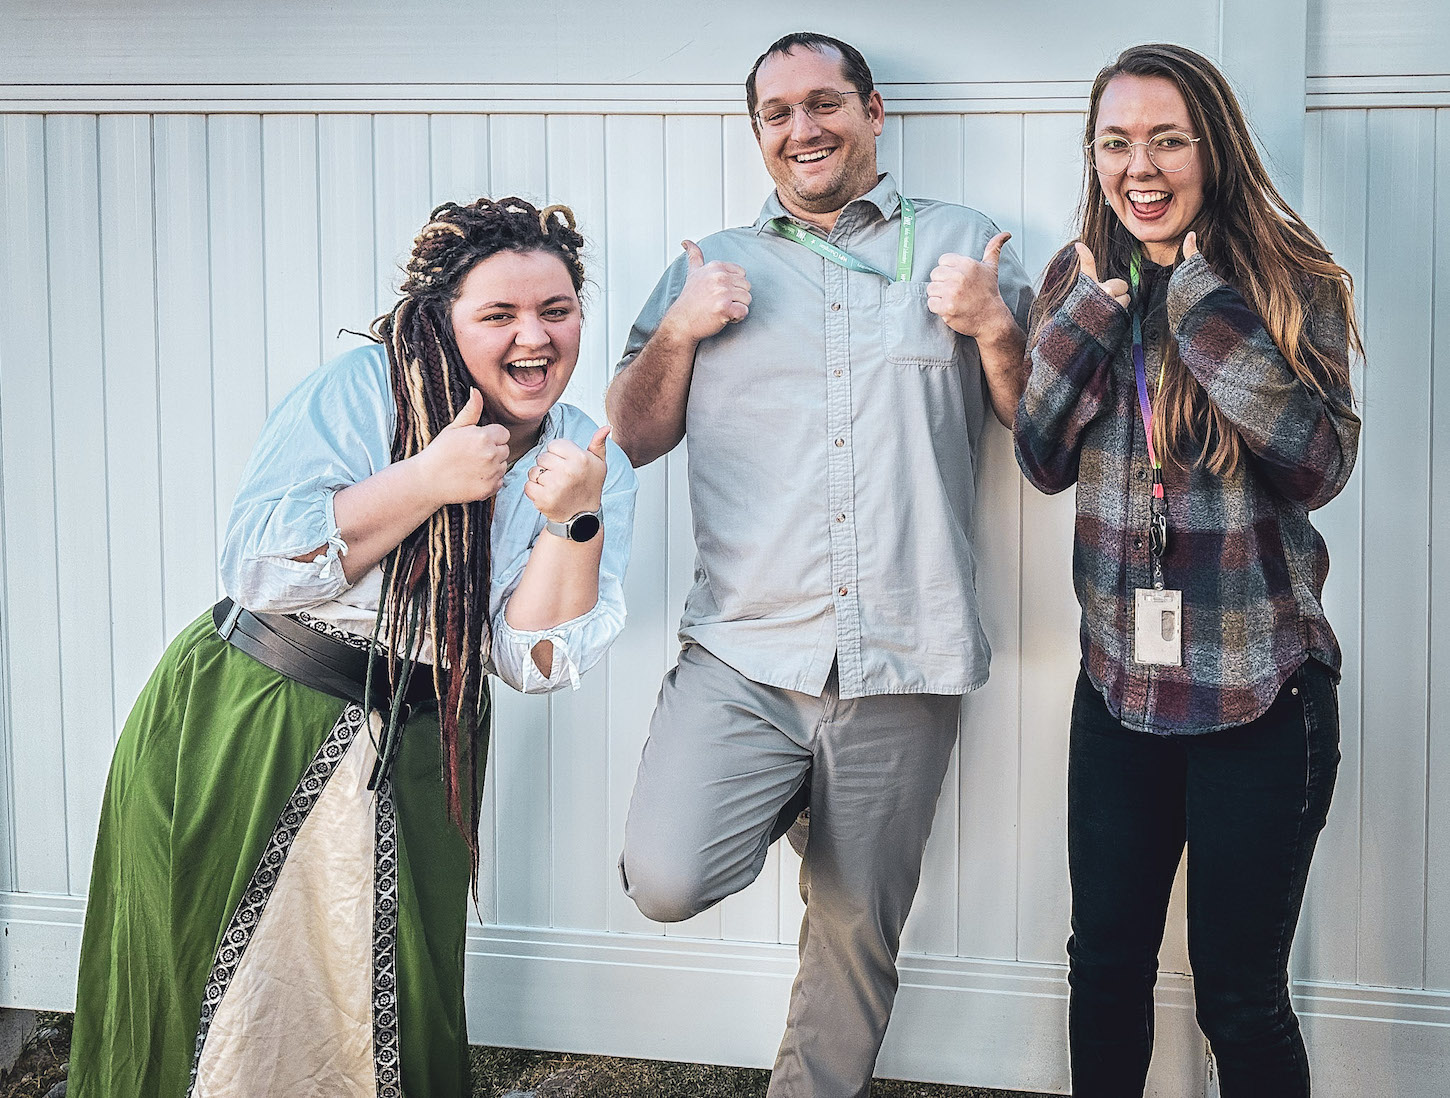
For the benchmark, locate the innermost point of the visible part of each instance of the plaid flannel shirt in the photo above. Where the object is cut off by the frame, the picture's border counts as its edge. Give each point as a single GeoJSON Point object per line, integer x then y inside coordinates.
{"type": "Point", "coordinates": [1241, 548]}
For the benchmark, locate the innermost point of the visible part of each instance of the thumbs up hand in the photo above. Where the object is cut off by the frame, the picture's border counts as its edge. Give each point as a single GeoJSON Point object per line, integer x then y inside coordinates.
{"type": "Point", "coordinates": [566, 479]}
{"type": "Point", "coordinates": [466, 461]}
{"type": "Point", "coordinates": [1115, 288]}
{"type": "Point", "coordinates": [963, 291]}
{"type": "Point", "coordinates": [715, 294]}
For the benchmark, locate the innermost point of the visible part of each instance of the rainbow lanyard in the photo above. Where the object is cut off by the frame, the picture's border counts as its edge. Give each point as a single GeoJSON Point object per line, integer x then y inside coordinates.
{"type": "Point", "coordinates": [1158, 519]}
{"type": "Point", "coordinates": [905, 247]}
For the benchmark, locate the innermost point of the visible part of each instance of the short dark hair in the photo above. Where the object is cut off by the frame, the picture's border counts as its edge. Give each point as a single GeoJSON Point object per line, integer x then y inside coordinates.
{"type": "Point", "coordinates": [853, 65]}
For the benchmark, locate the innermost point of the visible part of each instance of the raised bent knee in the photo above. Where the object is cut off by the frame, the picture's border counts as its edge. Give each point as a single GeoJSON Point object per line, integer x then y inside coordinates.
{"type": "Point", "coordinates": [666, 894]}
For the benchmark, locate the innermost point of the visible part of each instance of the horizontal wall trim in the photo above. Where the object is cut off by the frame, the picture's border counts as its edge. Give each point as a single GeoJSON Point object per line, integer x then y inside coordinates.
{"type": "Point", "coordinates": [989, 1023]}
{"type": "Point", "coordinates": [934, 98]}
{"type": "Point", "coordinates": [1029, 97]}
{"type": "Point", "coordinates": [1349, 92]}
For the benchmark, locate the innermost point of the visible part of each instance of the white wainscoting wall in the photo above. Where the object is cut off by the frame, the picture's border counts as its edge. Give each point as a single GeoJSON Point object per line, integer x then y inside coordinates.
{"type": "Point", "coordinates": [198, 202]}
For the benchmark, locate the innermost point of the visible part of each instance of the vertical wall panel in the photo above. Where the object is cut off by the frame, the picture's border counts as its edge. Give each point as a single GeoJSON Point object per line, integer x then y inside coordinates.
{"type": "Point", "coordinates": [290, 261]}
{"type": "Point", "coordinates": [517, 164]}
{"type": "Point", "coordinates": [582, 873]}
{"type": "Point", "coordinates": [459, 145]}
{"type": "Point", "coordinates": [889, 144]}
{"type": "Point", "coordinates": [183, 336]}
{"type": "Point", "coordinates": [346, 232]}
{"type": "Point", "coordinates": [1336, 171]}
{"type": "Point", "coordinates": [78, 402]}
{"type": "Point", "coordinates": [1437, 867]}
{"type": "Point", "coordinates": [1396, 466]}
{"type": "Point", "coordinates": [238, 314]}
{"type": "Point", "coordinates": [990, 754]}
{"type": "Point", "coordinates": [746, 182]}
{"type": "Point", "coordinates": [133, 460]}
{"type": "Point", "coordinates": [1049, 624]}
{"type": "Point", "coordinates": [401, 192]}
{"type": "Point", "coordinates": [27, 447]}
{"type": "Point", "coordinates": [635, 180]}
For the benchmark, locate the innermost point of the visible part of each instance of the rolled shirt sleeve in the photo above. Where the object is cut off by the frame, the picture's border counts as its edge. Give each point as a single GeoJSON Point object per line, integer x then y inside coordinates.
{"type": "Point", "coordinates": [333, 430]}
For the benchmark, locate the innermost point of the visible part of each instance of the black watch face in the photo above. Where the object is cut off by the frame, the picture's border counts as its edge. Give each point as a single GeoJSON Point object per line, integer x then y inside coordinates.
{"type": "Point", "coordinates": [583, 527]}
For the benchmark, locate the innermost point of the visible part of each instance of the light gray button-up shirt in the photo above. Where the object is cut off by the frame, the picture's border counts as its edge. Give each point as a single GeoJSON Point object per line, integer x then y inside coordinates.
{"type": "Point", "coordinates": [832, 458]}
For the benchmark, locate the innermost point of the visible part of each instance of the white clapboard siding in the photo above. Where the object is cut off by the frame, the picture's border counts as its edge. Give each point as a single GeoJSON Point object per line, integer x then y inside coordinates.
{"type": "Point", "coordinates": [171, 271]}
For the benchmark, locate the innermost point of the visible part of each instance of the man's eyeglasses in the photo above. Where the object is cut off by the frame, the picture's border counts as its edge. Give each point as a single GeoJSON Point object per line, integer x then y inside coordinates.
{"type": "Point", "coordinates": [777, 116]}
{"type": "Point", "coordinates": [1169, 152]}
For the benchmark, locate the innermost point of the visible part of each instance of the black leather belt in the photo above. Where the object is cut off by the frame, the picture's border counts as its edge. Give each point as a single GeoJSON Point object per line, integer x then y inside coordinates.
{"type": "Point", "coordinates": [314, 659]}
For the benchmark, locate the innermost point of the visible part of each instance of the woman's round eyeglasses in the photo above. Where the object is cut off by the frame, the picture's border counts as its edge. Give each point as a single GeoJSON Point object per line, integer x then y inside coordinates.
{"type": "Point", "coordinates": [1169, 151]}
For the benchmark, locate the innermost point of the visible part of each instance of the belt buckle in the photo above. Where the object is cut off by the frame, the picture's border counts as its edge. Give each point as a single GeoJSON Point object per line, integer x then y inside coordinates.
{"type": "Point", "coordinates": [230, 622]}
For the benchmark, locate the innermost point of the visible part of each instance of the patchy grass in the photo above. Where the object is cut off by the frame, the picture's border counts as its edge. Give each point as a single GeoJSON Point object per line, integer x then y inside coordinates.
{"type": "Point", "coordinates": [499, 1071]}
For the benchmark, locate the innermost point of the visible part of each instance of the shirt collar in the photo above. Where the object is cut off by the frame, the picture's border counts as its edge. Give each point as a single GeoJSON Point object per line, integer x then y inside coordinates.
{"type": "Point", "coordinates": [884, 196]}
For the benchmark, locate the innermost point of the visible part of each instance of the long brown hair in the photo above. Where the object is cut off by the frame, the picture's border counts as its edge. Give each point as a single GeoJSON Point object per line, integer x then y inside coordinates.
{"type": "Point", "coordinates": [437, 580]}
{"type": "Point", "coordinates": [1248, 234]}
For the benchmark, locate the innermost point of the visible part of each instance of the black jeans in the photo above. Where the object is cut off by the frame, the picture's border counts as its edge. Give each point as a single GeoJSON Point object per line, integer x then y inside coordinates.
{"type": "Point", "coordinates": [1250, 803]}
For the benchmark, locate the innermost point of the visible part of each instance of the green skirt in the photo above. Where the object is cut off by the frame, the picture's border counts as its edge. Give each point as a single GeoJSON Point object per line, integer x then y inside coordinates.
{"type": "Point", "coordinates": [259, 922]}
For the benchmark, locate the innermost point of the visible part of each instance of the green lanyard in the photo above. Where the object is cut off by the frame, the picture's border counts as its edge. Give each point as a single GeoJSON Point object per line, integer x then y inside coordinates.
{"type": "Point", "coordinates": [906, 247]}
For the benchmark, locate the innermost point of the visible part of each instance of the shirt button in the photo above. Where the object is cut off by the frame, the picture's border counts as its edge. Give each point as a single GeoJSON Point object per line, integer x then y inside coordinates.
{"type": "Point", "coordinates": [843, 591]}
{"type": "Point", "coordinates": [840, 442]}
{"type": "Point", "coordinates": [1141, 474]}
{"type": "Point", "coordinates": [835, 306]}
{"type": "Point", "coordinates": [841, 517]}
{"type": "Point", "coordinates": [1137, 543]}
{"type": "Point", "coordinates": [837, 373]}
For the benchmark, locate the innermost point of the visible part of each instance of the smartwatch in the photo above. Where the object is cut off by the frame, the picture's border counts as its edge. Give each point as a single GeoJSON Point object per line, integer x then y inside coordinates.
{"type": "Point", "coordinates": [582, 527]}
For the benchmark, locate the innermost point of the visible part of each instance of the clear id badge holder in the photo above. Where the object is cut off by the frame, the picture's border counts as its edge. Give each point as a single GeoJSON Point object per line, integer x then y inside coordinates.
{"type": "Point", "coordinates": [1158, 611]}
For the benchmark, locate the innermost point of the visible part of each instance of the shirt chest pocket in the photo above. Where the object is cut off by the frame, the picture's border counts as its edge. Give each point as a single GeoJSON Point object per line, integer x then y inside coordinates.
{"type": "Point", "coordinates": [914, 336]}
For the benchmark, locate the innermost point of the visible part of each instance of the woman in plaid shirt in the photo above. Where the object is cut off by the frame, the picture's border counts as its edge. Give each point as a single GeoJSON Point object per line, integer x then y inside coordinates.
{"type": "Point", "coordinates": [1190, 374]}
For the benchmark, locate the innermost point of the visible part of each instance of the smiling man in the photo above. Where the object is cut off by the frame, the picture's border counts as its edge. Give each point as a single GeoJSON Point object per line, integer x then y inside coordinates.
{"type": "Point", "coordinates": [832, 366]}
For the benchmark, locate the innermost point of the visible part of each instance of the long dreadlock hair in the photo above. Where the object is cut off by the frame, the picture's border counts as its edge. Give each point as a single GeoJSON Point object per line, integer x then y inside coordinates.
{"type": "Point", "coordinates": [437, 580]}
{"type": "Point", "coordinates": [1247, 232]}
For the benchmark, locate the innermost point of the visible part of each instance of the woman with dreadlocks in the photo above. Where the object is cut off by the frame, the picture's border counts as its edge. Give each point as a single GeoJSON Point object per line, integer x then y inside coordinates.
{"type": "Point", "coordinates": [1190, 374]}
{"type": "Point", "coordinates": [289, 831]}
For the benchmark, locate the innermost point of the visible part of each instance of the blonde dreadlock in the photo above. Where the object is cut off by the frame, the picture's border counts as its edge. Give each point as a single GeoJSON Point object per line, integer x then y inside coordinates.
{"type": "Point", "coordinates": [437, 579]}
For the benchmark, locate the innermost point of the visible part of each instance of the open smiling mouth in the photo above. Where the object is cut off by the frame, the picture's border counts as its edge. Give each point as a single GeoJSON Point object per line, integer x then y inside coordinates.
{"type": "Point", "coordinates": [812, 156]}
{"type": "Point", "coordinates": [1148, 205]}
{"type": "Point", "coordinates": [529, 373]}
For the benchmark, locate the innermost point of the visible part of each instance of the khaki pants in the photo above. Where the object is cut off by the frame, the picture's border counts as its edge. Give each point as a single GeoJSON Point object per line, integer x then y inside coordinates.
{"type": "Point", "coordinates": [723, 755]}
